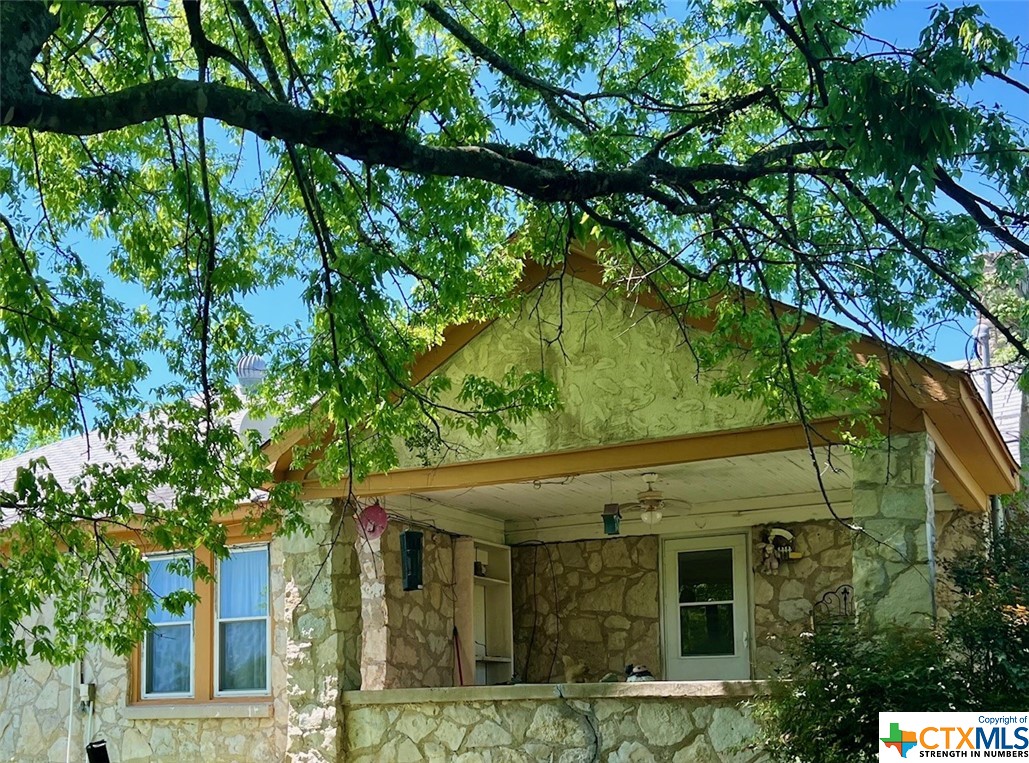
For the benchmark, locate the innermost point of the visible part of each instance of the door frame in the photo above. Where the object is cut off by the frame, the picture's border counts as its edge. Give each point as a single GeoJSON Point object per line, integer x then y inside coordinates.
{"type": "Point", "coordinates": [742, 536]}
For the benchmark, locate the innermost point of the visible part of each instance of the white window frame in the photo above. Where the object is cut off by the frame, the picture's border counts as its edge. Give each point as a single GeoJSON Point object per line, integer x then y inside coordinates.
{"type": "Point", "coordinates": [267, 617]}
{"type": "Point", "coordinates": [192, 643]}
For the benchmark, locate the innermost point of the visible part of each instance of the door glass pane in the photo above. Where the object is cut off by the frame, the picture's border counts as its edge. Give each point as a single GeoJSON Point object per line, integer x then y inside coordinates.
{"type": "Point", "coordinates": [243, 662]}
{"type": "Point", "coordinates": [243, 584]}
{"type": "Point", "coordinates": [705, 575]}
{"type": "Point", "coordinates": [167, 660]}
{"type": "Point", "coordinates": [706, 630]}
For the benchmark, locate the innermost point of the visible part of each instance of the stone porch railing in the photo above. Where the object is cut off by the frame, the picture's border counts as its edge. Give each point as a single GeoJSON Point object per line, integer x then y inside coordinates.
{"type": "Point", "coordinates": [679, 722]}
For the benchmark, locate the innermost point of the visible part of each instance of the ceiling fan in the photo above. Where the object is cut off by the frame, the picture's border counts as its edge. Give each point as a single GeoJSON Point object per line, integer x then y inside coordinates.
{"type": "Point", "coordinates": [651, 503]}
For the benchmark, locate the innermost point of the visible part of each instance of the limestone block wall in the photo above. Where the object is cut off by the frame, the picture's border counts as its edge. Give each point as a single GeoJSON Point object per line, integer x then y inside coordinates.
{"type": "Point", "coordinates": [783, 599]}
{"type": "Point", "coordinates": [299, 722]}
{"type": "Point", "coordinates": [420, 624]}
{"type": "Point", "coordinates": [321, 644]}
{"type": "Point", "coordinates": [569, 723]}
{"type": "Point", "coordinates": [892, 499]}
{"type": "Point", "coordinates": [34, 711]}
{"type": "Point", "coordinates": [595, 601]}
{"type": "Point", "coordinates": [957, 532]}
{"type": "Point", "coordinates": [346, 587]}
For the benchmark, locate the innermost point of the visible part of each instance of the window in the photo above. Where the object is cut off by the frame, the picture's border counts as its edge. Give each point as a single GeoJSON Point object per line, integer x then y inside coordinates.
{"type": "Point", "coordinates": [221, 646]}
{"type": "Point", "coordinates": [243, 627]}
{"type": "Point", "coordinates": [168, 648]}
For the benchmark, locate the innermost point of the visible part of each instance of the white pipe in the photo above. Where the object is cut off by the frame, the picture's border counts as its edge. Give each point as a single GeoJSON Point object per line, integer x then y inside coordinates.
{"type": "Point", "coordinates": [73, 685]}
{"type": "Point", "coordinates": [982, 342]}
{"type": "Point", "coordinates": [73, 690]}
{"type": "Point", "coordinates": [983, 350]}
{"type": "Point", "coordinates": [89, 724]}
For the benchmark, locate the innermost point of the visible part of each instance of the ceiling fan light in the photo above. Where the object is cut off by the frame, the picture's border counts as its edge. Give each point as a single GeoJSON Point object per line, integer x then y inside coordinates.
{"type": "Point", "coordinates": [651, 516]}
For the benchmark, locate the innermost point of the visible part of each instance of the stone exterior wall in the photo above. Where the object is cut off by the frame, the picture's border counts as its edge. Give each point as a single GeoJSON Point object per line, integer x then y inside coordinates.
{"type": "Point", "coordinates": [783, 599]}
{"type": "Point", "coordinates": [957, 532]}
{"type": "Point", "coordinates": [34, 711]}
{"type": "Point", "coordinates": [300, 720]}
{"type": "Point", "coordinates": [571, 723]}
{"type": "Point", "coordinates": [420, 650]}
{"type": "Point", "coordinates": [892, 501]}
{"type": "Point", "coordinates": [346, 587]}
{"type": "Point", "coordinates": [595, 601]}
{"type": "Point", "coordinates": [322, 640]}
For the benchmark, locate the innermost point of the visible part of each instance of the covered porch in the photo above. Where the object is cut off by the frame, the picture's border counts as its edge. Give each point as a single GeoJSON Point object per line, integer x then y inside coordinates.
{"type": "Point", "coordinates": [520, 593]}
{"type": "Point", "coordinates": [526, 603]}
{"type": "Point", "coordinates": [525, 582]}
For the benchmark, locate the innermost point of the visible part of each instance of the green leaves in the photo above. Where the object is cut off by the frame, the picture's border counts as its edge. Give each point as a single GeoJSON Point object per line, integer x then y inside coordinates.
{"type": "Point", "coordinates": [727, 157]}
{"type": "Point", "coordinates": [826, 700]}
{"type": "Point", "coordinates": [825, 706]}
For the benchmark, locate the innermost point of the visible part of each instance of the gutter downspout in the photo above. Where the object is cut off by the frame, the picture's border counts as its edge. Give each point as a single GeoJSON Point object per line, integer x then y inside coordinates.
{"type": "Point", "coordinates": [73, 688]}
{"type": "Point", "coordinates": [982, 346]}
{"type": "Point", "coordinates": [998, 518]}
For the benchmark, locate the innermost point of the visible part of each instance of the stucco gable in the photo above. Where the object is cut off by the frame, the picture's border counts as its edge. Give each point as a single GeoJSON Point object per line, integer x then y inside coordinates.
{"type": "Point", "coordinates": [623, 374]}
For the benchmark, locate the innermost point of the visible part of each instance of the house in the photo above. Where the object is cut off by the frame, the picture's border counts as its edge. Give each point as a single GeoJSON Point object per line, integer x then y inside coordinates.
{"type": "Point", "coordinates": [330, 648]}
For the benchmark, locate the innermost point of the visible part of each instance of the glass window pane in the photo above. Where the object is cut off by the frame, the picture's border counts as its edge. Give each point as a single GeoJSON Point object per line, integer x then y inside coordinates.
{"type": "Point", "coordinates": [706, 630]}
{"type": "Point", "coordinates": [243, 584]}
{"type": "Point", "coordinates": [243, 658]}
{"type": "Point", "coordinates": [705, 575]}
{"type": "Point", "coordinates": [168, 660]}
{"type": "Point", "coordinates": [162, 581]}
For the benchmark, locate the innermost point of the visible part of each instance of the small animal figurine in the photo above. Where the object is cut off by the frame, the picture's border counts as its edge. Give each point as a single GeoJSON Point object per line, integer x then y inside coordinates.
{"type": "Point", "coordinates": [777, 546]}
{"type": "Point", "coordinates": [610, 678]}
{"type": "Point", "coordinates": [575, 672]}
{"type": "Point", "coordinates": [634, 673]}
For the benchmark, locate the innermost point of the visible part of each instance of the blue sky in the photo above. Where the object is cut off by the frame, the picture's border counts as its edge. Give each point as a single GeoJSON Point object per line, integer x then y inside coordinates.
{"type": "Point", "coordinates": [900, 23]}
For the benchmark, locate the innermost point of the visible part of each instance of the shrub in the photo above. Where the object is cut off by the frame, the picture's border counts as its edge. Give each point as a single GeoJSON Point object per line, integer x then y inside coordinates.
{"type": "Point", "coordinates": [825, 708]}
{"type": "Point", "coordinates": [840, 679]}
{"type": "Point", "coordinates": [989, 629]}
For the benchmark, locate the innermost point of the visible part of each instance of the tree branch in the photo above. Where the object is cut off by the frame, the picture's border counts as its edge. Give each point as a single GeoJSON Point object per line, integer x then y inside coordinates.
{"type": "Point", "coordinates": [357, 138]}
{"type": "Point", "coordinates": [938, 270]}
{"type": "Point", "coordinates": [970, 204]}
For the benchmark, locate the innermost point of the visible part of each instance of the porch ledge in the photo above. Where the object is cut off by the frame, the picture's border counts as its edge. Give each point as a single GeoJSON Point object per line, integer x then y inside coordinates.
{"type": "Point", "coordinates": [198, 710]}
{"type": "Point", "coordinates": [659, 689]}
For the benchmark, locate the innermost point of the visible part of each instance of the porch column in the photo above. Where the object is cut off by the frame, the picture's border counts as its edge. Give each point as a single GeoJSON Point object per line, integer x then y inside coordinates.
{"type": "Point", "coordinates": [374, 617]}
{"type": "Point", "coordinates": [894, 564]}
{"type": "Point", "coordinates": [314, 653]}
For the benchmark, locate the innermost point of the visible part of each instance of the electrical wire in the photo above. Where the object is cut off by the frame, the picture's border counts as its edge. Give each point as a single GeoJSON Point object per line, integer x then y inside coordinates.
{"type": "Point", "coordinates": [537, 544]}
{"type": "Point", "coordinates": [557, 612]}
{"type": "Point", "coordinates": [535, 611]}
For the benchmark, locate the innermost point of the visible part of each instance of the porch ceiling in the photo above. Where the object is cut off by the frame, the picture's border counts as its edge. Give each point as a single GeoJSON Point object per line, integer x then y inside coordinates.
{"type": "Point", "coordinates": [719, 481]}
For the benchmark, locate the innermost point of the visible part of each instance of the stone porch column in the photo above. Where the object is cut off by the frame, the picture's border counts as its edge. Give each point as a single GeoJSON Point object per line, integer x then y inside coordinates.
{"type": "Point", "coordinates": [374, 614]}
{"type": "Point", "coordinates": [319, 648]}
{"type": "Point", "coordinates": [894, 564]}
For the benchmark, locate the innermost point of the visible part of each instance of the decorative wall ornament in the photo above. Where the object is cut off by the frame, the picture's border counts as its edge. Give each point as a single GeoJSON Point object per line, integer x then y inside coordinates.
{"type": "Point", "coordinates": [776, 547]}
{"type": "Point", "coordinates": [834, 607]}
{"type": "Point", "coordinates": [372, 521]}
